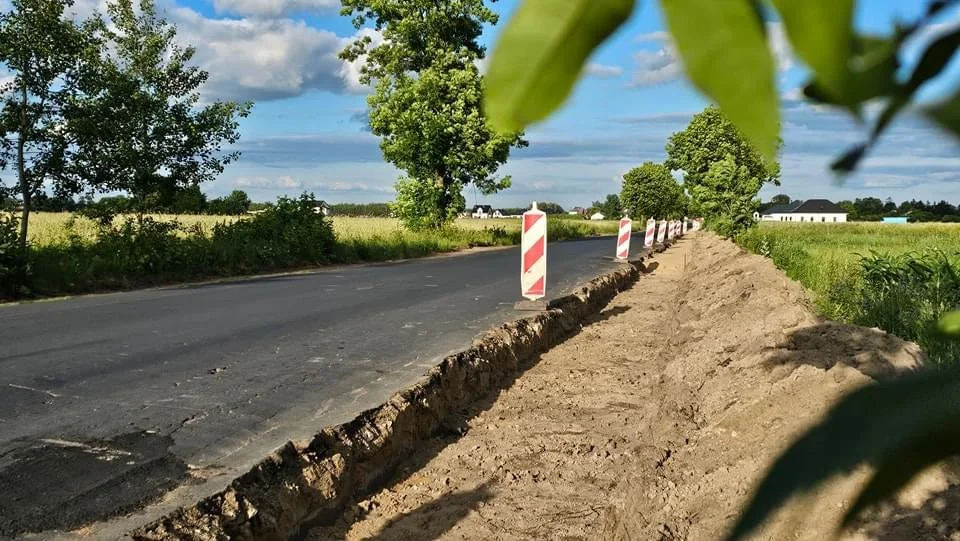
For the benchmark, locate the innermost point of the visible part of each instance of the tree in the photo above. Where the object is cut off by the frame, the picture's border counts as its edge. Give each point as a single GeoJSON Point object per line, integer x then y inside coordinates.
{"type": "Point", "coordinates": [610, 207]}
{"type": "Point", "coordinates": [188, 200]}
{"type": "Point", "coordinates": [781, 199]}
{"type": "Point", "coordinates": [43, 50]}
{"type": "Point", "coordinates": [427, 103]}
{"type": "Point", "coordinates": [711, 139]}
{"type": "Point", "coordinates": [727, 195]}
{"type": "Point", "coordinates": [869, 208]}
{"type": "Point", "coordinates": [550, 208]}
{"type": "Point", "coordinates": [849, 208]}
{"type": "Point", "coordinates": [234, 204]}
{"type": "Point", "coordinates": [650, 191]}
{"type": "Point", "coordinates": [140, 128]}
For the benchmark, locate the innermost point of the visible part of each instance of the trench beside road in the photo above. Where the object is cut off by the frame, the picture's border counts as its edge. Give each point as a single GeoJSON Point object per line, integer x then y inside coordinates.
{"type": "Point", "coordinates": [108, 402]}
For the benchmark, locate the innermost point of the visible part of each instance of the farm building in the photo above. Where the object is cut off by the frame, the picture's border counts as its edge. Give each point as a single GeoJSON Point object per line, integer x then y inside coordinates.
{"type": "Point", "coordinates": [812, 210]}
{"type": "Point", "coordinates": [598, 216]}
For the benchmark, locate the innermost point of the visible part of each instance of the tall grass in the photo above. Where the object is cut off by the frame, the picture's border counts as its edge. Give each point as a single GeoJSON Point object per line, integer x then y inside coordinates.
{"type": "Point", "coordinates": [70, 253]}
{"type": "Point", "coordinates": [901, 279]}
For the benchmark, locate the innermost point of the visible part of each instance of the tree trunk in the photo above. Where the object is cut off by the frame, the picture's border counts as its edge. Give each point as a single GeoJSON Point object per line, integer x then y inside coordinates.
{"type": "Point", "coordinates": [444, 202]}
{"type": "Point", "coordinates": [26, 191]}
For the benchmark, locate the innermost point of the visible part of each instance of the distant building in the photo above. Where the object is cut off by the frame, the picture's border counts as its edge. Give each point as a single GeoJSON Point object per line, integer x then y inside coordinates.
{"type": "Point", "coordinates": [811, 211]}
{"type": "Point", "coordinates": [498, 214]}
{"type": "Point", "coordinates": [579, 210]}
{"type": "Point", "coordinates": [482, 212]}
{"type": "Point", "coordinates": [321, 207]}
{"type": "Point", "coordinates": [895, 219]}
{"type": "Point", "coordinates": [598, 216]}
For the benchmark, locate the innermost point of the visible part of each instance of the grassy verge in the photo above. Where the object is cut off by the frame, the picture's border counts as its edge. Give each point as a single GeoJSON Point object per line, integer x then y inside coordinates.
{"type": "Point", "coordinates": [71, 254]}
{"type": "Point", "coordinates": [894, 277]}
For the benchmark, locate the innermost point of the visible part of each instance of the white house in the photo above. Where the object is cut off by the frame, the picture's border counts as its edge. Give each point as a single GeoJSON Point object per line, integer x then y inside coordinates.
{"type": "Point", "coordinates": [498, 214]}
{"type": "Point", "coordinates": [598, 216]}
{"type": "Point", "coordinates": [810, 211]}
{"type": "Point", "coordinates": [482, 212]}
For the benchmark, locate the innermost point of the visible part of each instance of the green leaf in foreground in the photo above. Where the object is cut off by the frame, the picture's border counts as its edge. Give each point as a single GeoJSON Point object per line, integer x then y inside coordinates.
{"type": "Point", "coordinates": [820, 33]}
{"type": "Point", "coordinates": [873, 68]}
{"type": "Point", "coordinates": [949, 324]}
{"type": "Point", "coordinates": [946, 114]}
{"type": "Point", "coordinates": [540, 55]}
{"type": "Point", "coordinates": [900, 427]}
{"type": "Point", "coordinates": [724, 50]}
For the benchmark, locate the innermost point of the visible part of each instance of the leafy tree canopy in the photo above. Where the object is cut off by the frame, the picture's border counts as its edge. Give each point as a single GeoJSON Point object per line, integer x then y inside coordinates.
{"type": "Point", "coordinates": [650, 191]}
{"type": "Point", "coordinates": [426, 106]}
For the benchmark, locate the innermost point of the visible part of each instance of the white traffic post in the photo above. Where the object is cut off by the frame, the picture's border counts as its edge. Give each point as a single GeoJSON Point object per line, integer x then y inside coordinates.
{"type": "Point", "coordinates": [623, 240]}
{"type": "Point", "coordinates": [670, 230]}
{"type": "Point", "coordinates": [651, 231]}
{"type": "Point", "coordinates": [684, 225]}
{"type": "Point", "coordinates": [533, 261]}
{"type": "Point", "coordinates": [661, 231]}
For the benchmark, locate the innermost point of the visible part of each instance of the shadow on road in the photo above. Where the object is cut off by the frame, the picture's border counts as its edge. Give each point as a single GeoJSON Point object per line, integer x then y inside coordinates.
{"type": "Point", "coordinates": [872, 352]}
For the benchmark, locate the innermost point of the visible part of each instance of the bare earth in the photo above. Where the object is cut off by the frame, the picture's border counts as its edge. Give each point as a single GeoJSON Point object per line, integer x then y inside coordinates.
{"type": "Point", "coordinates": [656, 421]}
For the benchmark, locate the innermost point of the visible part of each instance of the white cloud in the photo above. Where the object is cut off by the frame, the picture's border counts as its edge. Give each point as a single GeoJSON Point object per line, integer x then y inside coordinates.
{"type": "Point", "coordinates": [349, 72]}
{"type": "Point", "coordinates": [258, 57]}
{"type": "Point", "coordinates": [273, 8]}
{"type": "Point", "coordinates": [603, 71]}
{"type": "Point", "coordinates": [663, 65]}
{"type": "Point", "coordinates": [263, 183]}
{"type": "Point", "coordinates": [342, 186]}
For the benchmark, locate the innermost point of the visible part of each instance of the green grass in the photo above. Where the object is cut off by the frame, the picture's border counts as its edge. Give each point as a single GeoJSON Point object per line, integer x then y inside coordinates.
{"type": "Point", "coordinates": [900, 278]}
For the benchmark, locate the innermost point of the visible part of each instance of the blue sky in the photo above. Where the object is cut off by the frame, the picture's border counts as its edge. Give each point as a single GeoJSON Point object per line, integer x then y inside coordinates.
{"type": "Point", "coordinates": [306, 130]}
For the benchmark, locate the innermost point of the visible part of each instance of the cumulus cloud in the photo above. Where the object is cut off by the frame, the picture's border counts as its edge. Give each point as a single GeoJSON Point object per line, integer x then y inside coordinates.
{"type": "Point", "coordinates": [274, 8]}
{"type": "Point", "coordinates": [349, 72]}
{"type": "Point", "coordinates": [603, 71]}
{"type": "Point", "coordinates": [663, 65]}
{"type": "Point", "coordinates": [257, 57]}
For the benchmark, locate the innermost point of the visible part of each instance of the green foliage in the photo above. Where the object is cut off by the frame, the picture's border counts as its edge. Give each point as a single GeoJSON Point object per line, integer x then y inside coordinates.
{"type": "Point", "coordinates": [548, 41]}
{"type": "Point", "coordinates": [421, 205]}
{"type": "Point", "coordinates": [611, 207]}
{"type": "Point", "coordinates": [234, 204]}
{"type": "Point", "coordinates": [139, 127]}
{"type": "Point", "coordinates": [43, 50]}
{"type": "Point", "coordinates": [147, 251]}
{"type": "Point", "coordinates": [427, 104]}
{"type": "Point", "coordinates": [727, 197]}
{"type": "Point", "coordinates": [13, 261]}
{"type": "Point", "coordinates": [723, 173]}
{"type": "Point", "coordinates": [368, 210]}
{"type": "Point", "coordinates": [820, 32]}
{"type": "Point", "coordinates": [650, 191]}
{"type": "Point", "coordinates": [540, 55]}
{"type": "Point", "coordinates": [717, 40]}
{"type": "Point", "coordinates": [902, 282]}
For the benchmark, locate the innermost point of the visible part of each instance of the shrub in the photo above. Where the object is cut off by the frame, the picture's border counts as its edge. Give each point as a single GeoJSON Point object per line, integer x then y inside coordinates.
{"type": "Point", "coordinates": [14, 268]}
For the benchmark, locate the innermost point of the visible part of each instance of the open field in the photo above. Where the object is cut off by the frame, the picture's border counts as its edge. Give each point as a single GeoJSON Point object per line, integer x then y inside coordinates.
{"type": "Point", "coordinates": [48, 228]}
{"type": "Point", "coordinates": [900, 278]}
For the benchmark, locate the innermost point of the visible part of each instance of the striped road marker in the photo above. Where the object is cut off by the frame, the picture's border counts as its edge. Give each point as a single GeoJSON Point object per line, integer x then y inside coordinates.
{"type": "Point", "coordinates": [651, 231]}
{"type": "Point", "coordinates": [662, 232]}
{"type": "Point", "coordinates": [533, 246]}
{"type": "Point", "coordinates": [623, 241]}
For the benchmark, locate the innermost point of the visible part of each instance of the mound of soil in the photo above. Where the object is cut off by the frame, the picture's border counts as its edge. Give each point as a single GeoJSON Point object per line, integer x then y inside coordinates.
{"type": "Point", "coordinates": [656, 422]}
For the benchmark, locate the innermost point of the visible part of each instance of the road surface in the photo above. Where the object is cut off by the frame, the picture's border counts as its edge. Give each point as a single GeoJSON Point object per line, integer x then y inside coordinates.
{"type": "Point", "coordinates": [109, 401]}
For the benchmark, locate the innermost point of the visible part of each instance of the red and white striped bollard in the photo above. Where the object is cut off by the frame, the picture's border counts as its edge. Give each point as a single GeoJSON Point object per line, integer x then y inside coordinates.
{"type": "Point", "coordinates": [533, 261]}
{"type": "Point", "coordinates": [651, 231]}
{"type": "Point", "coordinates": [623, 239]}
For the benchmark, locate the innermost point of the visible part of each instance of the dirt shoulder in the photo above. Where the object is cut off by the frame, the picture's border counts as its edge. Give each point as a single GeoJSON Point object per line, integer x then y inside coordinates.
{"type": "Point", "coordinates": [656, 421]}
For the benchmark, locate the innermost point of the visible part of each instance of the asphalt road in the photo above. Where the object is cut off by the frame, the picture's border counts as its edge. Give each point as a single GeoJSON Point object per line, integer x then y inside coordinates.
{"type": "Point", "coordinates": [109, 401]}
